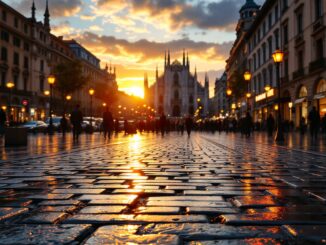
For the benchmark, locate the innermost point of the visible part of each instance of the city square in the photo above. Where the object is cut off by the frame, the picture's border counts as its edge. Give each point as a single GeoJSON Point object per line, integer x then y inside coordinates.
{"type": "Point", "coordinates": [162, 122]}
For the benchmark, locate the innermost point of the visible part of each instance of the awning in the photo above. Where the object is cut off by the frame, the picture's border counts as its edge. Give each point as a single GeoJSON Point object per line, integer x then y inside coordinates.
{"type": "Point", "coordinates": [298, 101]}
{"type": "Point", "coordinates": [319, 96]}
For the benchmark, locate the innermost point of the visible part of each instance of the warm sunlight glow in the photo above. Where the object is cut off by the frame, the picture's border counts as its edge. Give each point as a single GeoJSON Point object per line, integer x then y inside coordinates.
{"type": "Point", "coordinates": [133, 90]}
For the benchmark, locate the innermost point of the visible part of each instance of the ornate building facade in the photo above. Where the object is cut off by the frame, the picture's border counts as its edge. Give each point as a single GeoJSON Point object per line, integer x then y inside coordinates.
{"type": "Point", "coordinates": [177, 92]}
{"type": "Point", "coordinates": [28, 54]}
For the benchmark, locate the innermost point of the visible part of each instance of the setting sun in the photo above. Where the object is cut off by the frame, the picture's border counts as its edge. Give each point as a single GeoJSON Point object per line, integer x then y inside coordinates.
{"type": "Point", "coordinates": [134, 90]}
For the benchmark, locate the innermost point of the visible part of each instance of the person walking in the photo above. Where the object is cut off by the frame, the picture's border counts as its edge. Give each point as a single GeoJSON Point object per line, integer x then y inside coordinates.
{"type": "Point", "coordinates": [63, 124]}
{"type": "Point", "coordinates": [247, 124]}
{"type": "Point", "coordinates": [189, 124]}
{"type": "Point", "coordinates": [323, 124]}
{"type": "Point", "coordinates": [108, 123]}
{"type": "Point", "coordinates": [76, 119]}
{"type": "Point", "coordinates": [163, 124]}
{"type": "Point", "coordinates": [314, 123]}
{"type": "Point", "coordinates": [270, 124]}
{"type": "Point", "coordinates": [3, 119]}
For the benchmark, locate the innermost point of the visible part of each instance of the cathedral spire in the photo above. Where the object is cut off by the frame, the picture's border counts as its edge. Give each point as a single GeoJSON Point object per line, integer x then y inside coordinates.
{"type": "Point", "coordinates": [47, 17]}
{"type": "Point", "coordinates": [106, 67]}
{"type": "Point", "coordinates": [206, 80]}
{"type": "Point", "coordinates": [187, 60]}
{"type": "Point", "coordinates": [156, 72]}
{"type": "Point", "coordinates": [33, 11]}
{"type": "Point", "coordinates": [195, 72]}
{"type": "Point", "coordinates": [165, 59]}
{"type": "Point", "coordinates": [184, 58]}
{"type": "Point", "coordinates": [169, 61]}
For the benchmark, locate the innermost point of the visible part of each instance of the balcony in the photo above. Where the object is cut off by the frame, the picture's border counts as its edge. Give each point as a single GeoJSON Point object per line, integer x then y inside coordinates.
{"type": "Point", "coordinates": [317, 65]}
{"type": "Point", "coordinates": [299, 40]}
{"type": "Point", "coordinates": [318, 26]}
{"type": "Point", "coordinates": [285, 79]}
{"type": "Point", "coordinates": [299, 73]}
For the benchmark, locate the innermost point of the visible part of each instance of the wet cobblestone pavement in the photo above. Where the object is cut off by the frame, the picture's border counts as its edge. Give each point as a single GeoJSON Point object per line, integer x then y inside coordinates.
{"type": "Point", "coordinates": [145, 189]}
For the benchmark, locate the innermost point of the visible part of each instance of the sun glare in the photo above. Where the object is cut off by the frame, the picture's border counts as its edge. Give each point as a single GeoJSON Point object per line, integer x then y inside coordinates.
{"type": "Point", "coordinates": [136, 91]}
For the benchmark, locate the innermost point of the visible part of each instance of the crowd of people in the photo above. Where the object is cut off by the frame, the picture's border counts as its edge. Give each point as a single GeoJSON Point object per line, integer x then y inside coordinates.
{"type": "Point", "coordinates": [164, 125]}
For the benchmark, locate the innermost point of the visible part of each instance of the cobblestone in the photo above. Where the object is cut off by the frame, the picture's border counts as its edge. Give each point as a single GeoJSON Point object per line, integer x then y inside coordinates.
{"type": "Point", "coordinates": [208, 189]}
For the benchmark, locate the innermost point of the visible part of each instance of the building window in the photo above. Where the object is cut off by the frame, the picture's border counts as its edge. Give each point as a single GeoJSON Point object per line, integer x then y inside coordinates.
{"type": "Point", "coordinates": [3, 78]}
{"type": "Point", "coordinates": [26, 46]}
{"type": "Point", "coordinates": [16, 42]}
{"type": "Point", "coordinates": [264, 28]}
{"type": "Point", "coordinates": [16, 58]}
{"type": "Point", "coordinates": [284, 4]}
{"type": "Point", "coordinates": [26, 62]}
{"type": "Point", "coordinates": [270, 46]}
{"type": "Point", "coordinates": [4, 54]}
{"type": "Point", "coordinates": [318, 9]}
{"type": "Point", "coordinates": [42, 65]}
{"type": "Point", "coordinates": [276, 13]}
{"type": "Point", "coordinates": [270, 21]}
{"type": "Point", "coordinates": [25, 83]}
{"type": "Point", "coordinates": [175, 79]}
{"type": "Point", "coordinates": [270, 71]}
{"type": "Point", "coordinates": [16, 22]}
{"type": "Point", "coordinates": [300, 60]}
{"type": "Point", "coordinates": [191, 99]}
{"type": "Point", "coordinates": [299, 22]}
{"type": "Point", "coordinates": [176, 94]}
{"type": "Point", "coordinates": [41, 84]}
{"type": "Point", "coordinates": [286, 67]}
{"type": "Point", "coordinates": [258, 55]}
{"type": "Point", "coordinates": [264, 53]}
{"type": "Point", "coordinates": [4, 15]}
{"type": "Point", "coordinates": [285, 34]}
{"type": "Point", "coordinates": [255, 62]}
{"type": "Point", "coordinates": [16, 80]}
{"type": "Point", "coordinates": [4, 36]}
{"type": "Point", "coordinates": [26, 28]}
{"type": "Point", "coordinates": [319, 49]}
{"type": "Point", "coordinates": [277, 37]}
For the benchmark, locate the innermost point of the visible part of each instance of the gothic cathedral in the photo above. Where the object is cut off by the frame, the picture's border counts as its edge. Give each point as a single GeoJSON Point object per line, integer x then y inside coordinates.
{"type": "Point", "coordinates": [177, 92]}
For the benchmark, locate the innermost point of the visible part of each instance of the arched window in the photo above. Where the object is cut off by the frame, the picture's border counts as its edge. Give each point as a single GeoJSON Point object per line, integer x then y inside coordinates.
{"type": "Point", "coordinates": [303, 92]}
{"type": "Point", "coordinates": [176, 94]}
{"type": "Point", "coordinates": [176, 79]}
{"type": "Point", "coordinates": [191, 99]}
{"type": "Point", "coordinates": [321, 87]}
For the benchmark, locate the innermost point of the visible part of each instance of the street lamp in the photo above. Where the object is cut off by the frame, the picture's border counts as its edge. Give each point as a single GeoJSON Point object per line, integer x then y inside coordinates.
{"type": "Point", "coordinates": [267, 87]}
{"type": "Point", "coordinates": [91, 93]}
{"type": "Point", "coordinates": [229, 93]}
{"type": "Point", "coordinates": [247, 77]}
{"type": "Point", "coordinates": [278, 56]}
{"type": "Point", "coordinates": [10, 86]}
{"type": "Point", "coordinates": [51, 81]}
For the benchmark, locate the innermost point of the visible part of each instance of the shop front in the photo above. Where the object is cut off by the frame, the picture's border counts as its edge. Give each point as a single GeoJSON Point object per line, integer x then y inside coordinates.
{"type": "Point", "coordinates": [301, 106]}
{"type": "Point", "coordinates": [320, 97]}
{"type": "Point", "coordinates": [265, 104]}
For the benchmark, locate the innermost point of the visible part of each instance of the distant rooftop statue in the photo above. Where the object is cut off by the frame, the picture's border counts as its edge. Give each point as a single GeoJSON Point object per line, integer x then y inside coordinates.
{"type": "Point", "coordinates": [250, 4]}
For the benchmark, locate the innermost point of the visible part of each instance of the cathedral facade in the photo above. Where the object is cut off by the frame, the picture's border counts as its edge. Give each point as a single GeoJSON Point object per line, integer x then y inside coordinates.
{"type": "Point", "coordinates": [177, 92]}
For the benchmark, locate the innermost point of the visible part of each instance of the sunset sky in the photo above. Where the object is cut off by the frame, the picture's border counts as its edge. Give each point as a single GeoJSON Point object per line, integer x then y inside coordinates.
{"type": "Point", "coordinates": [133, 34]}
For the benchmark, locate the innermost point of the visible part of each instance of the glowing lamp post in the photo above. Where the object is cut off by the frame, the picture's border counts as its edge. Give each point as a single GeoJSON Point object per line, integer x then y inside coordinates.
{"type": "Point", "coordinates": [229, 93]}
{"type": "Point", "coordinates": [247, 78]}
{"type": "Point", "coordinates": [91, 93]}
{"type": "Point", "coordinates": [51, 81]}
{"type": "Point", "coordinates": [10, 86]}
{"type": "Point", "coordinates": [267, 88]}
{"type": "Point", "coordinates": [278, 56]}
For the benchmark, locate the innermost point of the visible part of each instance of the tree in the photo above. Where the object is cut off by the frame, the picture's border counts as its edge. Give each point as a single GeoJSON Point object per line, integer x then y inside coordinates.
{"type": "Point", "coordinates": [106, 92]}
{"type": "Point", "coordinates": [238, 85]}
{"type": "Point", "coordinates": [69, 79]}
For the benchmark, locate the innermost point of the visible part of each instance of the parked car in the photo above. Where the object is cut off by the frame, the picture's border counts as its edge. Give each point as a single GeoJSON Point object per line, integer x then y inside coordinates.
{"type": "Point", "coordinates": [55, 122]}
{"type": "Point", "coordinates": [35, 126]}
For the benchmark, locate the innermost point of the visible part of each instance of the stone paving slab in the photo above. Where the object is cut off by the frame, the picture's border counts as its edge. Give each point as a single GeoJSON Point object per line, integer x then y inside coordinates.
{"type": "Point", "coordinates": [43, 234]}
{"type": "Point", "coordinates": [126, 235]}
{"type": "Point", "coordinates": [209, 189]}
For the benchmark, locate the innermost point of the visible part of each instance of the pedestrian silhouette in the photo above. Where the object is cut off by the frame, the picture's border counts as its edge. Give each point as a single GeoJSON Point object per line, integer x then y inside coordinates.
{"type": "Point", "coordinates": [189, 124]}
{"type": "Point", "coordinates": [163, 124]}
{"type": "Point", "coordinates": [63, 124]}
{"type": "Point", "coordinates": [108, 123]}
{"type": "Point", "coordinates": [270, 123]}
{"type": "Point", "coordinates": [3, 119]}
{"type": "Point", "coordinates": [76, 119]}
{"type": "Point", "coordinates": [314, 123]}
{"type": "Point", "coordinates": [247, 124]}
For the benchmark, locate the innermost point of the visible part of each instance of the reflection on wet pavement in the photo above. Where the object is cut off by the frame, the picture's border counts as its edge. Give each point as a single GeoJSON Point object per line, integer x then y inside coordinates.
{"type": "Point", "coordinates": [143, 189]}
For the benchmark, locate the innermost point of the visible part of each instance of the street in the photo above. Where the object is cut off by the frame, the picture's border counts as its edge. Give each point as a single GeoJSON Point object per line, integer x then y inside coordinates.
{"type": "Point", "coordinates": [142, 189]}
